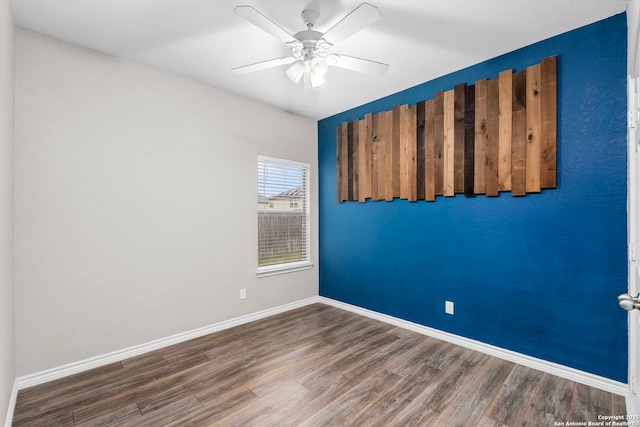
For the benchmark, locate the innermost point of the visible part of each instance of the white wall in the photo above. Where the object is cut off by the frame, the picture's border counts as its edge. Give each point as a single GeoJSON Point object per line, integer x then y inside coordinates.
{"type": "Point", "coordinates": [7, 371]}
{"type": "Point", "coordinates": [136, 203]}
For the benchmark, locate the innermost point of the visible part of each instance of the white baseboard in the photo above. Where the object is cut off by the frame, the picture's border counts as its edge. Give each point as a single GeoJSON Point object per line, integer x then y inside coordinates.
{"type": "Point", "coordinates": [12, 405]}
{"type": "Point", "coordinates": [511, 356]}
{"type": "Point", "coordinates": [116, 356]}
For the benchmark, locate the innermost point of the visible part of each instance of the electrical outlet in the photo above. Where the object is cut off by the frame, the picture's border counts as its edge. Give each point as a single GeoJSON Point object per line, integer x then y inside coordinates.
{"type": "Point", "coordinates": [448, 307]}
{"type": "Point", "coordinates": [243, 293]}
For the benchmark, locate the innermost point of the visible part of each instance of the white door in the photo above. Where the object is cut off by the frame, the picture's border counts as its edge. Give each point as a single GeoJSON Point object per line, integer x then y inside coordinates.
{"type": "Point", "coordinates": [633, 395]}
{"type": "Point", "coordinates": [633, 84]}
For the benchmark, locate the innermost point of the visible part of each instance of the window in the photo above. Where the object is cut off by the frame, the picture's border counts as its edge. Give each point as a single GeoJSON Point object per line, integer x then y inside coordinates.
{"type": "Point", "coordinates": [283, 222]}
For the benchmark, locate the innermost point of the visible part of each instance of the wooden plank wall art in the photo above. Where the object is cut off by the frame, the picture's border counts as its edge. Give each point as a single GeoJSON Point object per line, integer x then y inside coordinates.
{"type": "Point", "coordinates": [495, 135]}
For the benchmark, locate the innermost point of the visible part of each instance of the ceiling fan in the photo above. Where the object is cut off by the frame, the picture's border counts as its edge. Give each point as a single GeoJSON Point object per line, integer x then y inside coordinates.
{"type": "Point", "coordinates": [311, 53]}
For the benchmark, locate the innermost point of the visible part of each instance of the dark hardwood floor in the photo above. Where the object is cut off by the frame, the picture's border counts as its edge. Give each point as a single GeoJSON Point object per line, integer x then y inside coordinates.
{"type": "Point", "coordinates": [317, 365]}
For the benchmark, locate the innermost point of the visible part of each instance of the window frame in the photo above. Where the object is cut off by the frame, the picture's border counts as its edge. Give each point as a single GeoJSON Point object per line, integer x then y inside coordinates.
{"type": "Point", "coordinates": [289, 267]}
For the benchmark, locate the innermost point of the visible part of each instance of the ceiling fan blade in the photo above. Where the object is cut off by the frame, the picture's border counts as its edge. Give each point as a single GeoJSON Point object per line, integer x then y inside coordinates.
{"type": "Point", "coordinates": [264, 65]}
{"type": "Point", "coordinates": [357, 64]}
{"type": "Point", "coordinates": [261, 21]}
{"type": "Point", "coordinates": [356, 20]}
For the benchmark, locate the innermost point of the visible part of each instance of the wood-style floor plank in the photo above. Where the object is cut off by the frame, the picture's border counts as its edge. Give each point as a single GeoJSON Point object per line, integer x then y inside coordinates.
{"type": "Point", "coordinates": [316, 365]}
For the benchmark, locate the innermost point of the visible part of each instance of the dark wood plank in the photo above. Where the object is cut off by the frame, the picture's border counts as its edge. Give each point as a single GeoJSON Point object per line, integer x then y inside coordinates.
{"type": "Point", "coordinates": [350, 173]}
{"type": "Point", "coordinates": [505, 124]}
{"type": "Point", "coordinates": [459, 136]}
{"type": "Point", "coordinates": [519, 135]}
{"type": "Point", "coordinates": [429, 152]}
{"type": "Point", "coordinates": [491, 164]}
{"type": "Point", "coordinates": [511, 404]}
{"type": "Point", "coordinates": [438, 126]}
{"type": "Point", "coordinates": [549, 112]}
{"type": "Point", "coordinates": [534, 131]}
{"type": "Point", "coordinates": [342, 185]}
{"type": "Point", "coordinates": [470, 406]}
{"type": "Point", "coordinates": [420, 150]}
{"type": "Point", "coordinates": [469, 139]}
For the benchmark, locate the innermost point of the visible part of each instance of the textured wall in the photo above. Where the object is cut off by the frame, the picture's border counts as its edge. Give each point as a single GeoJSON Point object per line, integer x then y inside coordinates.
{"type": "Point", "coordinates": [7, 371]}
{"type": "Point", "coordinates": [136, 203]}
{"type": "Point", "coordinates": [537, 274]}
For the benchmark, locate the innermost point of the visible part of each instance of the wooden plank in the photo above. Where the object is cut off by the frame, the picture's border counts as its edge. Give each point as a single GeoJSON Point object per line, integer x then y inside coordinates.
{"type": "Point", "coordinates": [420, 150]}
{"type": "Point", "coordinates": [533, 129]}
{"type": "Point", "coordinates": [438, 121]}
{"type": "Point", "coordinates": [549, 112]}
{"type": "Point", "coordinates": [469, 139]}
{"type": "Point", "coordinates": [342, 184]}
{"type": "Point", "coordinates": [395, 150]}
{"type": "Point", "coordinates": [491, 165]}
{"type": "Point", "coordinates": [505, 122]}
{"type": "Point", "coordinates": [519, 135]}
{"type": "Point", "coordinates": [364, 156]}
{"type": "Point", "coordinates": [429, 152]}
{"type": "Point", "coordinates": [480, 154]}
{"type": "Point", "coordinates": [375, 157]}
{"type": "Point", "coordinates": [356, 160]}
{"type": "Point", "coordinates": [458, 137]}
{"type": "Point", "coordinates": [386, 123]}
{"type": "Point", "coordinates": [449, 154]}
{"type": "Point", "coordinates": [409, 135]}
{"type": "Point", "coordinates": [399, 127]}
{"type": "Point", "coordinates": [350, 174]}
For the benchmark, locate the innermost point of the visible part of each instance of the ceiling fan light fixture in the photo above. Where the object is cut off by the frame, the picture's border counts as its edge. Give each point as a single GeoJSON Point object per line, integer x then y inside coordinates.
{"type": "Point", "coordinates": [319, 66]}
{"type": "Point", "coordinates": [317, 80]}
{"type": "Point", "coordinates": [296, 71]}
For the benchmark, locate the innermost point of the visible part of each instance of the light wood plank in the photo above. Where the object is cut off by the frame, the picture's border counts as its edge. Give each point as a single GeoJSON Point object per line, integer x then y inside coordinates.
{"type": "Point", "coordinates": [375, 157]}
{"type": "Point", "coordinates": [519, 135]}
{"type": "Point", "coordinates": [449, 143]}
{"type": "Point", "coordinates": [534, 130]}
{"type": "Point", "coordinates": [505, 125]}
{"type": "Point", "coordinates": [408, 134]}
{"type": "Point", "coordinates": [420, 150]}
{"type": "Point", "coordinates": [491, 164]}
{"type": "Point", "coordinates": [385, 134]}
{"type": "Point", "coordinates": [396, 148]}
{"type": "Point", "coordinates": [364, 158]}
{"type": "Point", "coordinates": [438, 125]}
{"type": "Point", "coordinates": [356, 160]}
{"type": "Point", "coordinates": [480, 151]}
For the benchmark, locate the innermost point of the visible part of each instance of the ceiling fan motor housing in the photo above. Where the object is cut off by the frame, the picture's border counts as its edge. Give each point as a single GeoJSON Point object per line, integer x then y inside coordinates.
{"type": "Point", "coordinates": [310, 17]}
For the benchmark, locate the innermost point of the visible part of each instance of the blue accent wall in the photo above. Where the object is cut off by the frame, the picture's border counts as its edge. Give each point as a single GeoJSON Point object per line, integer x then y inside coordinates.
{"type": "Point", "coordinates": [538, 274]}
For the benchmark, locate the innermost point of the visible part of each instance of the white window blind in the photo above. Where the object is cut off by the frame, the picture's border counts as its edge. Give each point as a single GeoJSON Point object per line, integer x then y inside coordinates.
{"type": "Point", "coordinates": [283, 216]}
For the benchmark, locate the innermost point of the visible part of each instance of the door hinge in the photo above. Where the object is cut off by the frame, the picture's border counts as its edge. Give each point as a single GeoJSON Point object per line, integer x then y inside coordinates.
{"type": "Point", "coordinates": [632, 252]}
{"type": "Point", "coordinates": [632, 384]}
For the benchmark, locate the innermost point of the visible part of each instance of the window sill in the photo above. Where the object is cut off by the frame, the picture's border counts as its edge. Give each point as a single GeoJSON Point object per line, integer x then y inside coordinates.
{"type": "Point", "coordinates": [273, 270]}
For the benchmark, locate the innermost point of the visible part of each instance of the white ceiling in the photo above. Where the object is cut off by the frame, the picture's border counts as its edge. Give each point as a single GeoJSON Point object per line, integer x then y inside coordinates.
{"type": "Point", "coordinates": [203, 39]}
